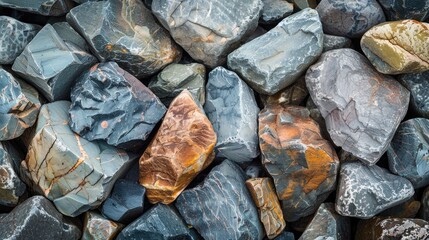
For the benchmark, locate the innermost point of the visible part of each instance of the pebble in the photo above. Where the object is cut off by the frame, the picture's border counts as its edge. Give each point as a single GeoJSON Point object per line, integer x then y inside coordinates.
{"type": "Point", "coordinates": [11, 186]}
{"type": "Point", "coordinates": [331, 42]}
{"type": "Point", "coordinates": [97, 227]}
{"type": "Point", "coordinates": [275, 10]}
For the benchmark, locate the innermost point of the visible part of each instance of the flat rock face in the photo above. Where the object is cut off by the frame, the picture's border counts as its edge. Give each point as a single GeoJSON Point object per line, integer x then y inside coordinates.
{"type": "Point", "coordinates": [127, 33]}
{"type": "Point", "coordinates": [208, 31]}
{"type": "Point", "coordinates": [303, 165]}
{"type": "Point", "coordinates": [11, 186]}
{"type": "Point", "coordinates": [68, 34]}
{"type": "Point", "coordinates": [419, 89]}
{"type": "Point", "coordinates": [182, 147]}
{"type": "Point", "coordinates": [364, 191]}
{"type": "Point", "coordinates": [75, 174]}
{"type": "Point", "coordinates": [233, 111]}
{"type": "Point", "coordinates": [276, 59]}
{"type": "Point", "coordinates": [405, 9]}
{"type": "Point", "coordinates": [221, 207]}
{"type": "Point", "coordinates": [355, 99]}
{"type": "Point", "coordinates": [294, 94]}
{"type": "Point", "coordinates": [331, 42]}
{"type": "Point", "coordinates": [42, 7]}
{"type": "Point", "coordinates": [110, 104]}
{"type": "Point", "coordinates": [97, 227]}
{"type": "Point", "coordinates": [275, 10]}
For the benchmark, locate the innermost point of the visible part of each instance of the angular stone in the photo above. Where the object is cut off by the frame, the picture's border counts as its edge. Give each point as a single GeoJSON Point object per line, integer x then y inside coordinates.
{"type": "Point", "coordinates": [405, 9]}
{"type": "Point", "coordinates": [233, 111]}
{"type": "Point", "coordinates": [42, 7]}
{"type": "Point", "coordinates": [355, 99]}
{"type": "Point", "coordinates": [110, 104]}
{"type": "Point", "coordinates": [408, 209]}
{"type": "Point", "coordinates": [278, 58]}
{"type": "Point", "coordinates": [416, 83]}
{"type": "Point", "coordinates": [182, 147]}
{"type": "Point", "coordinates": [275, 10]}
{"type": "Point", "coordinates": [221, 207]}
{"type": "Point", "coordinates": [96, 227]}
{"type": "Point", "coordinates": [68, 34]}
{"type": "Point", "coordinates": [303, 165]}
{"type": "Point", "coordinates": [75, 174]}
{"type": "Point", "coordinates": [294, 94]}
{"type": "Point", "coordinates": [364, 191]}
{"type": "Point", "coordinates": [398, 47]}
{"type": "Point", "coordinates": [51, 64]}
{"type": "Point", "coordinates": [11, 186]}
{"type": "Point", "coordinates": [331, 42]}
{"type": "Point", "coordinates": [349, 18]}
{"type": "Point", "coordinates": [125, 32]}
{"type": "Point", "coordinates": [208, 31]}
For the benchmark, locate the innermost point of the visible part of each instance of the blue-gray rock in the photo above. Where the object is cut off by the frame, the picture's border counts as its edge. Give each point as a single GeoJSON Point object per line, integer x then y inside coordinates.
{"type": "Point", "coordinates": [232, 109]}
{"type": "Point", "coordinates": [221, 206]}
{"type": "Point", "coordinates": [68, 34]}
{"type": "Point", "coordinates": [110, 104]}
{"type": "Point", "coordinates": [11, 186]}
{"type": "Point", "coordinates": [208, 30]}
{"type": "Point", "coordinates": [416, 83]}
{"type": "Point", "coordinates": [254, 171]}
{"type": "Point", "coordinates": [278, 58]}
{"type": "Point", "coordinates": [285, 236]}
{"type": "Point", "coordinates": [275, 10]}
{"type": "Point", "coordinates": [331, 42]}
{"type": "Point", "coordinates": [364, 191]}
{"type": "Point", "coordinates": [405, 9]}
{"type": "Point", "coordinates": [52, 65]}
{"type": "Point", "coordinates": [97, 227]}
{"type": "Point", "coordinates": [42, 7]}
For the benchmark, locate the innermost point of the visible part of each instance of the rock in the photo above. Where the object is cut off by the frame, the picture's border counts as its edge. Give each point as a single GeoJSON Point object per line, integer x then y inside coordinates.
{"type": "Point", "coordinates": [424, 213]}
{"type": "Point", "coordinates": [275, 10]}
{"type": "Point", "coordinates": [317, 116]}
{"type": "Point", "coordinates": [75, 174]}
{"type": "Point", "coordinates": [208, 31]}
{"type": "Point", "coordinates": [331, 42]}
{"type": "Point", "coordinates": [294, 94]}
{"type": "Point", "coordinates": [285, 236]}
{"type": "Point", "coordinates": [223, 205]}
{"type": "Point", "coordinates": [42, 7]}
{"type": "Point", "coordinates": [408, 209]}
{"type": "Point", "coordinates": [364, 191]}
{"type": "Point", "coordinates": [349, 18]}
{"type": "Point", "coordinates": [398, 47]}
{"type": "Point", "coordinates": [51, 65]}
{"type": "Point", "coordinates": [278, 58]}
{"type": "Point", "coordinates": [416, 84]}
{"type": "Point", "coordinates": [347, 157]}
{"type": "Point", "coordinates": [96, 227]}
{"type": "Point", "coordinates": [110, 104]}
{"type": "Point", "coordinates": [133, 38]}
{"type": "Point", "coordinates": [37, 218]}
{"type": "Point", "coordinates": [182, 147]}
{"type": "Point", "coordinates": [354, 100]}
{"type": "Point", "coordinates": [303, 165]}
{"type": "Point", "coordinates": [302, 4]}
{"type": "Point", "coordinates": [405, 9]}
{"type": "Point", "coordinates": [259, 31]}
{"type": "Point", "coordinates": [173, 79]}
{"type": "Point", "coordinates": [254, 171]}
{"type": "Point", "coordinates": [68, 34]}
{"type": "Point", "coordinates": [231, 101]}
{"type": "Point", "coordinates": [11, 186]}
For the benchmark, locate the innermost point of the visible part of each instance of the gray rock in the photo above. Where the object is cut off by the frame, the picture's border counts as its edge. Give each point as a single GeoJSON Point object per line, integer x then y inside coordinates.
{"type": "Point", "coordinates": [42, 7]}
{"type": "Point", "coordinates": [232, 109]}
{"type": "Point", "coordinates": [331, 42]}
{"type": "Point", "coordinates": [355, 99]}
{"type": "Point", "coordinates": [275, 10]}
{"type": "Point", "coordinates": [416, 83]}
{"type": "Point", "coordinates": [259, 31]}
{"type": "Point", "coordinates": [278, 58]}
{"type": "Point", "coordinates": [254, 171]}
{"type": "Point", "coordinates": [68, 34]}
{"type": "Point", "coordinates": [405, 9]}
{"type": "Point", "coordinates": [11, 186]}
{"type": "Point", "coordinates": [97, 227]}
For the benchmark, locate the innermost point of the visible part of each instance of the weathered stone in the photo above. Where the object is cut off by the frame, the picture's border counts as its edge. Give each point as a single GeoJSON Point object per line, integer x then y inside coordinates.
{"type": "Point", "coordinates": [355, 99]}
{"type": "Point", "coordinates": [75, 174]}
{"type": "Point", "coordinates": [349, 18]}
{"type": "Point", "coordinates": [68, 34]}
{"type": "Point", "coordinates": [278, 58]}
{"type": "Point", "coordinates": [11, 186]}
{"type": "Point", "coordinates": [125, 32]}
{"type": "Point", "coordinates": [182, 147]}
{"type": "Point", "coordinates": [294, 94]}
{"type": "Point", "coordinates": [405, 9]}
{"type": "Point", "coordinates": [364, 191]}
{"type": "Point", "coordinates": [303, 4]}
{"type": "Point", "coordinates": [110, 104]}
{"type": "Point", "coordinates": [303, 165]}
{"type": "Point", "coordinates": [275, 10]}
{"type": "Point", "coordinates": [208, 31]}
{"type": "Point", "coordinates": [424, 213]}
{"type": "Point", "coordinates": [398, 47]}
{"type": "Point", "coordinates": [331, 42]}
{"type": "Point", "coordinates": [42, 7]}
{"type": "Point", "coordinates": [96, 227]}
{"type": "Point", "coordinates": [408, 209]}
{"type": "Point", "coordinates": [419, 89]}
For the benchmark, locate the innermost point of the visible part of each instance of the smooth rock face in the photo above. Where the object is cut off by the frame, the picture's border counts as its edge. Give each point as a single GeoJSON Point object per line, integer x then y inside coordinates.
{"type": "Point", "coordinates": [355, 99]}
{"type": "Point", "coordinates": [349, 18]}
{"type": "Point", "coordinates": [42, 7]}
{"type": "Point", "coordinates": [11, 186]}
{"type": "Point", "coordinates": [182, 147]}
{"type": "Point", "coordinates": [68, 34]}
{"type": "Point", "coordinates": [276, 59]}
{"type": "Point", "coordinates": [96, 227]}
{"type": "Point", "coordinates": [125, 32]}
{"type": "Point", "coordinates": [221, 207]}
{"type": "Point", "coordinates": [419, 89]}
{"type": "Point", "coordinates": [405, 9]}
{"type": "Point", "coordinates": [75, 174]}
{"type": "Point", "coordinates": [275, 10]}
{"type": "Point", "coordinates": [294, 94]}
{"type": "Point", "coordinates": [364, 191]}
{"type": "Point", "coordinates": [303, 165]}
{"type": "Point", "coordinates": [51, 64]}
{"type": "Point", "coordinates": [331, 42]}
{"type": "Point", "coordinates": [110, 104]}
{"type": "Point", "coordinates": [233, 111]}
{"type": "Point", "coordinates": [208, 31]}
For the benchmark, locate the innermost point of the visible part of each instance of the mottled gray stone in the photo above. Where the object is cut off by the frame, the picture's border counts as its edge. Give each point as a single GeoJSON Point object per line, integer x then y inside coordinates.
{"type": "Point", "coordinates": [405, 9]}
{"type": "Point", "coordinates": [42, 7]}
{"type": "Point", "coordinates": [275, 10]}
{"type": "Point", "coordinates": [331, 42]}
{"type": "Point", "coordinates": [232, 109]}
{"type": "Point", "coordinates": [221, 206]}
{"type": "Point", "coordinates": [417, 84]}
{"type": "Point", "coordinates": [11, 186]}
{"type": "Point", "coordinates": [355, 99]}
{"type": "Point", "coordinates": [364, 191]}
{"type": "Point", "coordinates": [68, 34]}
{"type": "Point", "coordinates": [278, 58]}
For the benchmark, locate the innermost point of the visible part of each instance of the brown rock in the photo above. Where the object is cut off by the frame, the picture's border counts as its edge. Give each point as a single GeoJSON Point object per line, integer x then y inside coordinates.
{"type": "Point", "coordinates": [97, 227]}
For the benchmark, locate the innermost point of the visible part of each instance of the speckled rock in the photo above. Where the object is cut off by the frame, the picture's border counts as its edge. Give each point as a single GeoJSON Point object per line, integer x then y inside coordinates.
{"type": "Point", "coordinates": [405, 9]}
{"type": "Point", "coordinates": [275, 10]}
{"type": "Point", "coordinates": [42, 7]}
{"type": "Point", "coordinates": [294, 94]}
{"type": "Point", "coordinates": [97, 227]}
{"type": "Point", "coordinates": [416, 83]}
{"type": "Point", "coordinates": [331, 42]}
{"type": "Point", "coordinates": [11, 186]}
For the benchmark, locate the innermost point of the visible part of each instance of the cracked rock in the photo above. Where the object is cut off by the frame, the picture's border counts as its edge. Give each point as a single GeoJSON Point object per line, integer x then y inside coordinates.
{"type": "Point", "coordinates": [331, 42]}
{"type": "Point", "coordinates": [97, 227]}
{"type": "Point", "coordinates": [275, 10]}
{"type": "Point", "coordinates": [294, 94]}
{"type": "Point", "coordinates": [405, 9]}
{"type": "Point", "coordinates": [11, 186]}
{"type": "Point", "coordinates": [416, 83]}
{"type": "Point", "coordinates": [42, 7]}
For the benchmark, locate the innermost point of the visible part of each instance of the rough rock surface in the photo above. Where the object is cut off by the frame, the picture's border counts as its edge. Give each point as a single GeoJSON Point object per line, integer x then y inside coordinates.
{"type": "Point", "coordinates": [97, 227]}
{"type": "Point", "coordinates": [275, 10]}
{"type": "Point", "coordinates": [42, 7]}
{"type": "Point", "coordinates": [419, 89]}
{"type": "Point", "coordinates": [405, 9]}
{"type": "Point", "coordinates": [294, 94]}
{"type": "Point", "coordinates": [11, 186]}
{"type": "Point", "coordinates": [331, 42]}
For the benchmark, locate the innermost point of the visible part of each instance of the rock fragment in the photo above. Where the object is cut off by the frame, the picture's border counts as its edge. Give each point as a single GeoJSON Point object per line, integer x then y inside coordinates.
{"type": "Point", "coordinates": [42, 7]}
{"type": "Point", "coordinates": [11, 186]}
{"type": "Point", "coordinates": [331, 42]}
{"type": "Point", "coordinates": [416, 83]}
{"type": "Point", "coordinates": [405, 9]}
{"type": "Point", "coordinates": [96, 227]}
{"type": "Point", "coordinates": [275, 10]}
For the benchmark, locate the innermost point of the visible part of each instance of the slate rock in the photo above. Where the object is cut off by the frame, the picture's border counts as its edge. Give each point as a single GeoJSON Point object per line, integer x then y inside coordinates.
{"type": "Point", "coordinates": [416, 83]}
{"type": "Point", "coordinates": [424, 213]}
{"type": "Point", "coordinates": [11, 186]}
{"type": "Point", "coordinates": [97, 227]}
{"type": "Point", "coordinates": [232, 109]}
{"type": "Point", "coordinates": [408, 209]}
{"type": "Point", "coordinates": [294, 94]}
{"type": "Point", "coordinates": [221, 206]}
{"type": "Point", "coordinates": [405, 9]}
{"type": "Point", "coordinates": [278, 58]}
{"type": "Point", "coordinates": [331, 42]}
{"type": "Point", "coordinates": [275, 10]}
{"type": "Point", "coordinates": [42, 7]}
{"type": "Point", "coordinates": [68, 34]}
{"type": "Point", "coordinates": [125, 32]}
{"type": "Point", "coordinates": [354, 100]}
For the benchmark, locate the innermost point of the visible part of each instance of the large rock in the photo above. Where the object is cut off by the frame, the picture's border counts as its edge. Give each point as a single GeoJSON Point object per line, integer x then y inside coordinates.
{"type": "Point", "coordinates": [96, 227]}
{"type": "Point", "coordinates": [75, 174]}
{"type": "Point", "coordinates": [355, 99]}
{"type": "Point", "coordinates": [276, 59]}
{"type": "Point", "coordinates": [125, 32]}
{"type": "Point", "coordinates": [11, 186]}
{"type": "Point", "coordinates": [405, 9]}
{"type": "Point", "coordinates": [275, 10]}
{"type": "Point", "coordinates": [416, 83]}
{"type": "Point", "coordinates": [42, 7]}
{"type": "Point", "coordinates": [331, 42]}
{"type": "Point", "coordinates": [68, 34]}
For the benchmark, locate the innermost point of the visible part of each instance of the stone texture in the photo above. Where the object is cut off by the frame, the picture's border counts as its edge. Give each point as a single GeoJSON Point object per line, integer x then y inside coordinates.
{"type": "Point", "coordinates": [68, 34]}
{"type": "Point", "coordinates": [331, 42]}
{"type": "Point", "coordinates": [302, 4]}
{"type": "Point", "coordinates": [11, 186]}
{"type": "Point", "coordinates": [208, 31]}
{"type": "Point", "coordinates": [364, 191]}
{"type": "Point", "coordinates": [276, 59]}
{"type": "Point", "coordinates": [125, 32]}
{"type": "Point", "coordinates": [285, 236]}
{"type": "Point", "coordinates": [405, 9]}
{"type": "Point", "coordinates": [398, 47]}
{"type": "Point", "coordinates": [254, 171]}
{"type": "Point", "coordinates": [182, 147]}
{"type": "Point", "coordinates": [354, 100]}
{"type": "Point", "coordinates": [408, 209]}
{"type": "Point", "coordinates": [416, 83]}
{"type": "Point", "coordinates": [110, 104]}
{"type": "Point", "coordinates": [42, 7]}
{"type": "Point", "coordinates": [275, 10]}
{"type": "Point", "coordinates": [303, 165]}
{"type": "Point", "coordinates": [75, 174]}
{"type": "Point", "coordinates": [294, 94]}
{"type": "Point", "coordinates": [231, 101]}
{"type": "Point", "coordinates": [96, 227]}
